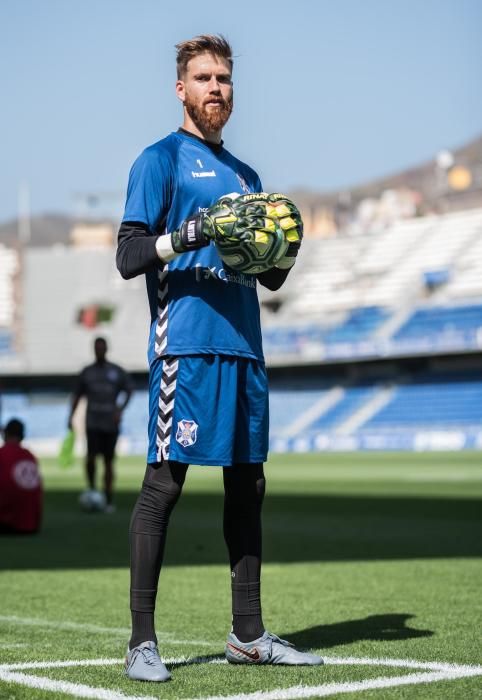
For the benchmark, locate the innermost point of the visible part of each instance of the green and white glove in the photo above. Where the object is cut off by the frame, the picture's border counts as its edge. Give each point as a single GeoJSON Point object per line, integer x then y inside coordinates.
{"type": "Point", "coordinates": [238, 218]}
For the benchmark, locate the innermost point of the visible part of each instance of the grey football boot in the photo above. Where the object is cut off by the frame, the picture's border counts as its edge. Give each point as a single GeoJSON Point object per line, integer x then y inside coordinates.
{"type": "Point", "coordinates": [143, 663]}
{"type": "Point", "coordinates": [268, 649]}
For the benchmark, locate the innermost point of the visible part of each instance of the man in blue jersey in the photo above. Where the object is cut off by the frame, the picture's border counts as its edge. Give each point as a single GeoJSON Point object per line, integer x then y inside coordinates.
{"type": "Point", "coordinates": [207, 383]}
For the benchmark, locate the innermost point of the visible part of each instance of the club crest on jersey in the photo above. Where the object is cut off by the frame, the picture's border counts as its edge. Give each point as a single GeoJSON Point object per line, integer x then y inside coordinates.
{"type": "Point", "coordinates": [186, 434]}
{"type": "Point", "coordinates": [243, 183]}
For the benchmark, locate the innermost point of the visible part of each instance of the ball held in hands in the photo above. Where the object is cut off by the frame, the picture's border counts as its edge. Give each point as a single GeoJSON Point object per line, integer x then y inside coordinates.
{"type": "Point", "coordinates": [254, 232]}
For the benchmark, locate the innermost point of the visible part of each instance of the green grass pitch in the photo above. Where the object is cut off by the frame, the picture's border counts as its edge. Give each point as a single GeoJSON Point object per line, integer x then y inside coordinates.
{"type": "Point", "coordinates": [372, 556]}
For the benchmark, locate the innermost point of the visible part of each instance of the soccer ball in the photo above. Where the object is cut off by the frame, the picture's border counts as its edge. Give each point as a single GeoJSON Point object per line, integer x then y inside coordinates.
{"type": "Point", "coordinates": [92, 501]}
{"type": "Point", "coordinates": [263, 242]}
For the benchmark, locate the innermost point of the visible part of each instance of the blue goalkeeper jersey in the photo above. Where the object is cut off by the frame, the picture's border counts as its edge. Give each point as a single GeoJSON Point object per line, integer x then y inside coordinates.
{"type": "Point", "coordinates": [197, 306]}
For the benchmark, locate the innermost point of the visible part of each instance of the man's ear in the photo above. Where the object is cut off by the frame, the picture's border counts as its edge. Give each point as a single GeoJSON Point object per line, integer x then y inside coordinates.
{"type": "Point", "coordinates": [180, 90]}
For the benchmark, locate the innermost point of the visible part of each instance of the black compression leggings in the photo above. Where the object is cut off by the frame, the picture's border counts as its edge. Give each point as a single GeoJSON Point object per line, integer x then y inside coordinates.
{"type": "Point", "coordinates": [244, 486]}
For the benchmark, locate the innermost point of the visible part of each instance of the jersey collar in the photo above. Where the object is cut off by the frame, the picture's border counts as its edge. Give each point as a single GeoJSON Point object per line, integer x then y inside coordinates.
{"type": "Point", "coordinates": [214, 147]}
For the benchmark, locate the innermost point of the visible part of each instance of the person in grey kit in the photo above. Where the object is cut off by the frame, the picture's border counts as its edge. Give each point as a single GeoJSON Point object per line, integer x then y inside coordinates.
{"type": "Point", "coordinates": [108, 389]}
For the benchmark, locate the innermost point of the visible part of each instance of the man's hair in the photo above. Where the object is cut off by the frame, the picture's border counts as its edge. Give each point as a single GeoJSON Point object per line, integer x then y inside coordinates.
{"type": "Point", "coordinates": [210, 43]}
{"type": "Point", "coordinates": [14, 429]}
{"type": "Point", "coordinates": [100, 339]}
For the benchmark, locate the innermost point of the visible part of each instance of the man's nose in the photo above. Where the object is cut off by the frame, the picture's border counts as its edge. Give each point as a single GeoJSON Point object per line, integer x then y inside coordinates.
{"type": "Point", "coordinates": [214, 85]}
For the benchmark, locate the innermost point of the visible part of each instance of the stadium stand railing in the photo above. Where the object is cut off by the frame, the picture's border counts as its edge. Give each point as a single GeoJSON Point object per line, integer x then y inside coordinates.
{"type": "Point", "coordinates": [432, 411]}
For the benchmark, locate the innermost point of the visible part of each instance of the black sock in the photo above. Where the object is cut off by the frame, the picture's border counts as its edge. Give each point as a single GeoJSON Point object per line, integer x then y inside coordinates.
{"type": "Point", "coordinates": [247, 618]}
{"type": "Point", "coordinates": [142, 628]}
{"type": "Point", "coordinates": [244, 486]}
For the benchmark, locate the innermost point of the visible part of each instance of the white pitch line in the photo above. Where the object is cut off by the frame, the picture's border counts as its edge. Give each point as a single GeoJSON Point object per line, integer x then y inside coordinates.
{"type": "Point", "coordinates": [63, 624]}
{"type": "Point", "coordinates": [7, 645]}
{"type": "Point", "coordinates": [95, 629]}
{"type": "Point", "coordinates": [320, 691]}
{"type": "Point", "coordinates": [78, 690]}
{"type": "Point", "coordinates": [178, 661]}
{"type": "Point", "coordinates": [25, 666]}
{"type": "Point", "coordinates": [401, 663]}
{"type": "Point", "coordinates": [433, 672]}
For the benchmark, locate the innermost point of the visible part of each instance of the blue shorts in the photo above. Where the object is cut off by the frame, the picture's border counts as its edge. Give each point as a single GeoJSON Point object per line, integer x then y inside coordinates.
{"type": "Point", "coordinates": [208, 409]}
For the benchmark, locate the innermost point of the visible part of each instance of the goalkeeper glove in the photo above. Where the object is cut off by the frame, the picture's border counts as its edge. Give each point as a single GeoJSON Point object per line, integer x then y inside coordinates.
{"type": "Point", "coordinates": [230, 217]}
{"type": "Point", "coordinates": [239, 217]}
{"type": "Point", "coordinates": [289, 258]}
{"type": "Point", "coordinates": [290, 221]}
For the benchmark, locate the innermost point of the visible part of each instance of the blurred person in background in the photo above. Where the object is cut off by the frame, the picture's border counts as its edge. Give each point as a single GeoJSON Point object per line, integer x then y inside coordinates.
{"type": "Point", "coordinates": [108, 389]}
{"type": "Point", "coordinates": [21, 493]}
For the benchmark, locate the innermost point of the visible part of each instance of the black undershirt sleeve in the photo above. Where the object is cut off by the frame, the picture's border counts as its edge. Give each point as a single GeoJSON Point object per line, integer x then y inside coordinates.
{"type": "Point", "coordinates": [136, 249]}
{"type": "Point", "coordinates": [273, 279]}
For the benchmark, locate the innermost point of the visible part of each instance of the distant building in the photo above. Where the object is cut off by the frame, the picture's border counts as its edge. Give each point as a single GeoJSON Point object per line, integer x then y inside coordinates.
{"type": "Point", "coordinates": [86, 235]}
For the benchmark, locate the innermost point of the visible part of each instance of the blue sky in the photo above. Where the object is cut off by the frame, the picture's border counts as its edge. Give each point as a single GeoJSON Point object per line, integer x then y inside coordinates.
{"type": "Point", "coordinates": [327, 94]}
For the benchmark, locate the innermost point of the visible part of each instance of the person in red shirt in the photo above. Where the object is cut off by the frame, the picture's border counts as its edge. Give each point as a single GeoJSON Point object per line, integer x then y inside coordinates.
{"type": "Point", "coordinates": [21, 493]}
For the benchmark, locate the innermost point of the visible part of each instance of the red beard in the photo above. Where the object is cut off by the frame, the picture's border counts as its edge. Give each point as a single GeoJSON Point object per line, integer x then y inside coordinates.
{"type": "Point", "coordinates": [208, 120]}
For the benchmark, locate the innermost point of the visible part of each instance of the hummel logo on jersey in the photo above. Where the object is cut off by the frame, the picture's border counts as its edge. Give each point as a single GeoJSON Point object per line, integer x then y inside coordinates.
{"type": "Point", "coordinates": [204, 173]}
{"type": "Point", "coordinates": [186, 434]}
{"type": "Point", "coordinates": [252, 654]}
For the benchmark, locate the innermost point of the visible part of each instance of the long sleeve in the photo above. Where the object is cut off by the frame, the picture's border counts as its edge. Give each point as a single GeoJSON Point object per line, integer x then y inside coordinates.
{"type": "Point", "coordinates": [148, 197]}
{"type": "Point", "coordinates": [273, 279]}
{"type": "Point", "coordinates": [136, 249]}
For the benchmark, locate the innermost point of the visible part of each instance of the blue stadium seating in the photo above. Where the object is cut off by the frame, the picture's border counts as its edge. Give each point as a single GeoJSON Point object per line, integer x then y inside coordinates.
{"type": "Point", "coordinates": [286, 406]}
{"type": "Point", "coordinates": [291, 340]}
{"type": "Point", "coordinates": [360, 324]}
{"type": "Point", "coordinates": [441, 320]}
{"type": "Point", "coordinates": [6, 342]}
{"type": "Point", "coordinates": [437, 403]}
{"type": "Point", "coordinates": [351, 401]}
{"type": "Point", "coordinates": [435, 324]}
{"type": "Point", "coordinates": [44, 414]}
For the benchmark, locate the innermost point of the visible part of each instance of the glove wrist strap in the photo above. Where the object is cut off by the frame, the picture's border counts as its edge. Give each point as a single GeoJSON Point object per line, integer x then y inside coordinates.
{"type": "Point", "coordinates": [190, 236]}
